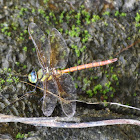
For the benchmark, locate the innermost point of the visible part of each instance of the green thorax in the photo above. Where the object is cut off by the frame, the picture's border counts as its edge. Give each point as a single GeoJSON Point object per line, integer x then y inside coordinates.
{"type": "Point", "coordinates": [41, 77]}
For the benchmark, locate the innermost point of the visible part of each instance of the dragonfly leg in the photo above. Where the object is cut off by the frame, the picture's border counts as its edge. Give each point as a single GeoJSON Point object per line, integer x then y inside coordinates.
{"type": "Point", "coordinates": [41, 100]}
{"type": "Point", "coordinates": [20, 98]}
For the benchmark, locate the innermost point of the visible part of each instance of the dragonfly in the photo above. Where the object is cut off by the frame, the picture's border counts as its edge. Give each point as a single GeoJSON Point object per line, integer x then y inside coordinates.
{"type": "Point", "coordinates": [52, 53]}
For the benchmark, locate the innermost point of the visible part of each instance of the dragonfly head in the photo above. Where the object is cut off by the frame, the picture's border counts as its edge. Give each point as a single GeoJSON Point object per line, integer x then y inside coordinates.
{"type": "Point", "coordinates": [32, 77]}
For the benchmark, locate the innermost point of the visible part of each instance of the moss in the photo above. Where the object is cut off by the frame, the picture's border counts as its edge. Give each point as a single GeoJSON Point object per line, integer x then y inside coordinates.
{"type": "Point", "coordinates": [20, 136]}
{"type": "Point", "coordinates": [9, 80]}
{"type": "Point", "coordinates": [112, 95]}
{"type": "Point", "coordinates": [25, 48]}
{"type": "Point", "coordinates": [79, 62]}
{"type": "Point", "coordinates": [89, 92]}
{"type": "Point", "coordinates": [61, 17]}
{"type": "Point", "coordinates": [95, 18]}
{"type": "Point", "coordinates": [95, 77]}
{"type": "Point", "coordinates": [123, 14]}
{"type": "Point", "coordinates": [114, 77]}
{"type": "Point", "coordinates": [45, 1]}
{"type": "Point", "coordinates": [137, 19]}
{"type": "Point", "coordinates": [117, 13]}
{"type": "Point", "coordinates": [135, 94]}
{"type": "Point", "coordinates": [2, 81]}
{"type": "Point", "coordinates": [76, 85]}
{"type": "Point", "coordinates": [97, 88]}
{"type": "Point", "coordinates": [17, 63]}
{"type": "Point", "coordinates": [24, 66]}
{"type": "Point", "coordinates": [106, 13]}
{"type": "Point", "coordinates": [42, 12]}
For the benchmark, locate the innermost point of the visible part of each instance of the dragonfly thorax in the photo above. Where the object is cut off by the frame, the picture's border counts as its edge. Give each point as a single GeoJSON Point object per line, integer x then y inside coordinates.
{"type": "Point", "coordinates": [43, 74]}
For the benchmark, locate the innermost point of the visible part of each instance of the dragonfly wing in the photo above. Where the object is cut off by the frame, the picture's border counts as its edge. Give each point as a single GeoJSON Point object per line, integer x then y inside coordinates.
{"type": "Point", "coordinates": [59, 50]}
{"type": "Point", "coordinates": [41, 44]}
{"type": "Point", "coordinates": [49, 100]}
{"type": "Point", "coordinates": [67, 90]}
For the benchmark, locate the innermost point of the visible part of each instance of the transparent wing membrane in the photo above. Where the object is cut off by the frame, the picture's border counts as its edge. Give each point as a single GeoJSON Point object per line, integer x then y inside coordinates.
{"type": "Point", "coordinates": [41, 44]}
{"type": "Point", "coordinates": [59, 50]}
{"type": "Point", "coordinates": [49, 101]}
{"type": "Point", "coordinates": [67, 91]}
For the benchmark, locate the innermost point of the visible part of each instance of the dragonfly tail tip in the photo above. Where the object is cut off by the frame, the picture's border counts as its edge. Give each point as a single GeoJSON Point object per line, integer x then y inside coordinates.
{"type": "Point", "coordinates": [114, 60]}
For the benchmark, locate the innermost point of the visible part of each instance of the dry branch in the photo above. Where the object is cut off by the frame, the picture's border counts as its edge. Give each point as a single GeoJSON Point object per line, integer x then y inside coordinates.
{"type": "Point", "coordinates": [65, 122]}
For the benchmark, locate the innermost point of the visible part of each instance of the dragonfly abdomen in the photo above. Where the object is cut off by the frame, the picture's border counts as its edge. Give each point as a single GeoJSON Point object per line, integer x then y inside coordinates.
{"type": "Point", "coordinates": [86, 66]}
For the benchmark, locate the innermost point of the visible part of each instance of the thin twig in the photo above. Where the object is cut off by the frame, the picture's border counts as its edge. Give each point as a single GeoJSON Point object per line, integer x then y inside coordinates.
{"type": "Point", "coordinates": [127, 47]}
{"type": "Point", "coordinates": [105, 103]}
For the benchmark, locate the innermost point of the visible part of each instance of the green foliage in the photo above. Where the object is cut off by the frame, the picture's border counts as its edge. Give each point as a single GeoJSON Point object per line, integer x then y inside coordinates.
{"type": "Point", "coordinates": [123, 14]}
{"type": "Point", "coordinates": [79, 78]}
{"type": "Point", "coordinates": [79, 62]}
{"type": "Point", "coordinates": [111, 69]}
{"type": "Point", "coordinates": [20, 136]}
{"type": "Point", "coordinates": [7, 77]}
{"type": "Point", "coordinates": [89, 92]}
{"type": "Point", "coordinates": [61, 17]}
{"type": "Point", "coordinates": [5, 29]}
{"type": "Point", "coordinates": [114, 77]}
{"type": "Point", "coordinates": [24, 66]}
{"type": "Point", "coordinates": [47, 18]}
{"type": "Point", "coordinates": [9, 80]}
{"type": "Point", "coordinates": [45, 1]}
{"type": "Point", "coordinates": [22, 11]}
{"type": "Point", "coordinates": [14, 25]}
{"type": "Point", "coordinates": [105, 23]}
{"type": "Point", "coordinates": [86, 81]}
{"type": "Point", "coordinates": [137, 19]}
{"type": "Point", "coordinates": [129, 38]}
{"type": "Point", "coordinates": [95, 77]}
{"type": "Point", "coordinates": [97, 88]}
{"type": "Point", "coordinates": [108, 88]}
{"type": "Point", "coordinates": [61, 30]}
{"type": "Point", "coordinates": [42, 12]}
{"type": "Point", "coordinates": [107, 13]}
{"type": "Point", "coordinates": [2, 81]}
{"type": "Point", "coordinates": [16, 80]}
{"type": "Point", "coordinates": [86, 15]}
{"type": "Point", "coordinates": [135, 94]}
{"type": "Point", "coordinates": [112, 95]}
{"type": "Point", "coordinates": [25, 49]}
{"type": "Point", "coordinates": [76, 85]}
{"type": "Point", "coordinates": [68, 17]}
{"type": "Point", "coordinates": [17, 63]}
{"type": "Point", "coordinates": [77, 51]}
{"type": "Point", "coordinates": [82, 49]}
{"type": "Point", "coordinates": [78, 17]}
{"type": "Point", "coordinates": [95, 18]}
{"type": "Point", "coordinates": [85, 36]}
{"type": "Point", "coordinates": [33, 10]}
{"type": "Point", "coordinates": [75, 31]}
{"type": "Point", "coordinates": [25, 31]}
{"type": "Point", "coordinates": [117, 13]}
{"type": "Point", "coordinates": [33, 49]}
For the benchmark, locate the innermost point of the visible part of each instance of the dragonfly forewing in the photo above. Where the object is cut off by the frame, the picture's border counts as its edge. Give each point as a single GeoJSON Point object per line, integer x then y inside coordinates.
{"type": "Point", "coordinates": [59, 50]}
{"type": "Point", "coordinates": [41, 44]}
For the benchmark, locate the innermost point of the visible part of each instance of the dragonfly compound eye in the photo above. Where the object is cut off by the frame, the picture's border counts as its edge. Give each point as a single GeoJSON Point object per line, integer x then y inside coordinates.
{"type": "Point", "coordinates": [32, 77]}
